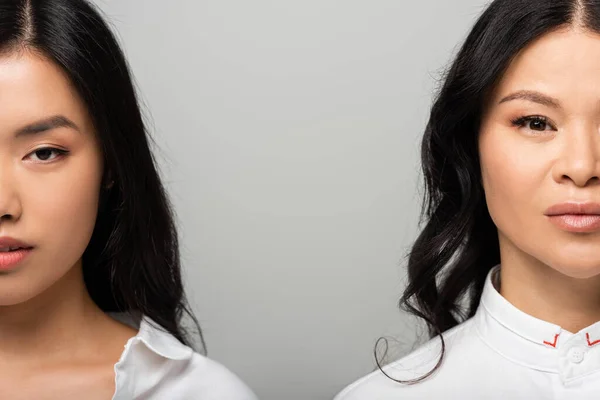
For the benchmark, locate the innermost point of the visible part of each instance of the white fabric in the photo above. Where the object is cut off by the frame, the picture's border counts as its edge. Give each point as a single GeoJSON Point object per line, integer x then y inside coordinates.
{"type": "Point", "coordinates": [500, 353]}
{"type": "Point", "coordinates": [156, 366]}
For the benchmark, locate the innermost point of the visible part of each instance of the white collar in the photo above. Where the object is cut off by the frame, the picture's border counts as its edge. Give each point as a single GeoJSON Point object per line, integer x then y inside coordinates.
{"type": "Point", "coordinates": [528, 340]}
{"type": "Point", "coordinates": [134, 364]}
{"type": "Point", "coordinates": [154, 336]}
{"type": "Point", "coordinates": [160, 341]}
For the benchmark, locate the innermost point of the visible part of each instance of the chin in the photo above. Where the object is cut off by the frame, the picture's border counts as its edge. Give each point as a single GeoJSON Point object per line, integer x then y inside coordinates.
{"type": "Point", "coordinates": [6, 300]}
{"type": "Point", "coordinates": [578, 268]}
{"type": "Point", "coordinates": [16, 292]}
{"type": "Point", "coordinates": [20, 295]}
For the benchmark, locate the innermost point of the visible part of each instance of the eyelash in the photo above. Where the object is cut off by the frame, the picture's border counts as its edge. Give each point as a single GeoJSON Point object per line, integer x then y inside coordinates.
{"type": "Point", "coordinates": [522, 122]}
{"type": "Point", "coordinates": [60, 153]}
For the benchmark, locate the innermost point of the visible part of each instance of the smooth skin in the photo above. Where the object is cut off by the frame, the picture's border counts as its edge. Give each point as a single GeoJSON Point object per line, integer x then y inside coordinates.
{"type": "Point", "coordinates": [546, 272]}
{"type": "Point", "coordinates": [55, 343]}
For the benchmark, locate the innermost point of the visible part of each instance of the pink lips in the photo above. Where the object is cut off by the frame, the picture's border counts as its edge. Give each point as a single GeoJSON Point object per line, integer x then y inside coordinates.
{"type": "Point", "coordinates": [19, 251]}
{"type": "Point", "coordinates": [575, 217]}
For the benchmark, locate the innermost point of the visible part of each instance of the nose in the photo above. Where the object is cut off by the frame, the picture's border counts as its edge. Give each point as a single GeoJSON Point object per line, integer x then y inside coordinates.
{"type": "Point", "coordinates": [579, 160]}
{"type": "Point", "coordinates": [10, 205]}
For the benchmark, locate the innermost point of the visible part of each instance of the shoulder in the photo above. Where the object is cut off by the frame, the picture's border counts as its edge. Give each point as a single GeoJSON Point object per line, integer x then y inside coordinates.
{"type": "Point", "coordinates": [209, 380]}
{"type": "Point", "coordinates": [155, 366]}
{"type": "Point", "coordinates": [383, 384]}
{"type": "Point", "coordinates": [182, 376]}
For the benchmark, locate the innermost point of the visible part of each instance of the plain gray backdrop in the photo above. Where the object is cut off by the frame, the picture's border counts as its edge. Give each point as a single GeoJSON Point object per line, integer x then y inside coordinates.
{"type": "Point", "coordinates": [288, 136]}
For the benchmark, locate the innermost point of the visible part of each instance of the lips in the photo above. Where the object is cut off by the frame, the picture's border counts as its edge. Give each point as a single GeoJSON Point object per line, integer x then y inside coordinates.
{"type": "Point", "coordinates": [12, 253]}
{"type": "Point", "coordinates": [7, 249]}
{"type": "Point", "coordinates": [575, 217]}
{"type": "Point", "coordinates": [8, 243]}
{"type": "Point", "coordinates": [574, 209]}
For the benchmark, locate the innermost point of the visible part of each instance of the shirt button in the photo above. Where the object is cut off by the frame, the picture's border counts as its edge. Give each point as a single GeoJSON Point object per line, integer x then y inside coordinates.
{"type": "Point", "coordinates": [576, 354]}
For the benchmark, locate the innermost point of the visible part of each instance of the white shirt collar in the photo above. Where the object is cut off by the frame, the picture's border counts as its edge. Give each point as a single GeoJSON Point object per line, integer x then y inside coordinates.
{"type": "Point", "coordinates": [531, 341]}
{"type": "Point", "coordinates": [156, 366]}
{"type": "Point", "coordinates": [160, 342]}
{"type": "Point", "coordinates": [154, 337]}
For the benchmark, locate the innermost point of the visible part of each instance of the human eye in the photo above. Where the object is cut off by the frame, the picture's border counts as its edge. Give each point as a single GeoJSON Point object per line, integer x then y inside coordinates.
{"type": "Point", "coordinates": [537, 123]}
{"type": "Point", "coordinates": [46, 155]}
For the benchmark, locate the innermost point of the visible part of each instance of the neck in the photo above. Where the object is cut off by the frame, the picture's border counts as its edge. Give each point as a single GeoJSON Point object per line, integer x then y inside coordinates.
{"type": "Point", "coordinates": [50, 326]}
{"type": "Point", "coordinates": [542, 292]}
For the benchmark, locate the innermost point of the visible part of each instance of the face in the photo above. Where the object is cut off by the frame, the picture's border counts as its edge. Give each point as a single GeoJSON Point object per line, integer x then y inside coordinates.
{"type": "Point", "coordinates": [50, 174]}
{"type": "Point", "coordinates": [539, 146]}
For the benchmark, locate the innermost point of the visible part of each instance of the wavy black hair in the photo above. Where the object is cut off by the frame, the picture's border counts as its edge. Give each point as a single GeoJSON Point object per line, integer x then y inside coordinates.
{"type": "Point", "coordinates": [132, 263]}
{"type": "Point", "coordinates": [458, 243]}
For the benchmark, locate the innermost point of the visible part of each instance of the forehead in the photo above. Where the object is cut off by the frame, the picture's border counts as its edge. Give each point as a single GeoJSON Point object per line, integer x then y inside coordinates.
{"type": "Point", "coordinates": [33, 87]}
{"type": "Point", "coordinates": [561, 63]}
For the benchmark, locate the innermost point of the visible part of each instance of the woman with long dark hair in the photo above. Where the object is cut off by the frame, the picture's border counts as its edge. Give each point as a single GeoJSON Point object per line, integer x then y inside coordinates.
{"type": "Point", "coordinates": [91, 295]}
{"type": "Point", "coordinates": [506, 269]}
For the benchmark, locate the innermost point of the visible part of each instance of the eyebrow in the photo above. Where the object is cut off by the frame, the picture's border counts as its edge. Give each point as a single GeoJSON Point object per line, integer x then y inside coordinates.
{"type": "Point", "coordinates": [535, 97]}
{"type": "Point", "coordinates": [47, 124]}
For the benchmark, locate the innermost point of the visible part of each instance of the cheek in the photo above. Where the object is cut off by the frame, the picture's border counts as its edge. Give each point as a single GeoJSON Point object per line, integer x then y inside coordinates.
{"type": "Point", "coordinates": [513, 174]}
{"type": "Point", "coordinates": [60, 207]}
{"type": "Point", "coordinates": [518, 185]}
{"type": "Point", "coordinates": [58, 214]}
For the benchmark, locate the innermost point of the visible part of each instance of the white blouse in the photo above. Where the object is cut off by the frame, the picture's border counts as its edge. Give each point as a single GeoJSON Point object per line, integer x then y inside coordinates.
{"type": "Point", "coordinates": [156, 366]}
{"type": "Point", "coordinates": [500, 353]}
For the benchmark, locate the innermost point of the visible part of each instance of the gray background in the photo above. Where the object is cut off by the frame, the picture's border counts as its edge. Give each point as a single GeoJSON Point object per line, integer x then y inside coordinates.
{"type": "Point", "coordinates": [289, 135]}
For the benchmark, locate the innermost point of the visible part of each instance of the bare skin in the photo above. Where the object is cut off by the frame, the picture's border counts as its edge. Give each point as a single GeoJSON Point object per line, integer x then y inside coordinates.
{"type": "Point", "coordinates": [81, 361]}
{"type": "Point", "coordinates": [546, 271]}
{"type": "Point", "coordinates": [55, 343]}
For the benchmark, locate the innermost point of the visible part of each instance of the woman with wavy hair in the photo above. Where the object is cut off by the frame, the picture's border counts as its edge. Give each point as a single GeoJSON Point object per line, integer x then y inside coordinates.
{"type": "Point", "coordinates": [91, 293]}
{"type": "Point", "coordinates": [506, 269]}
